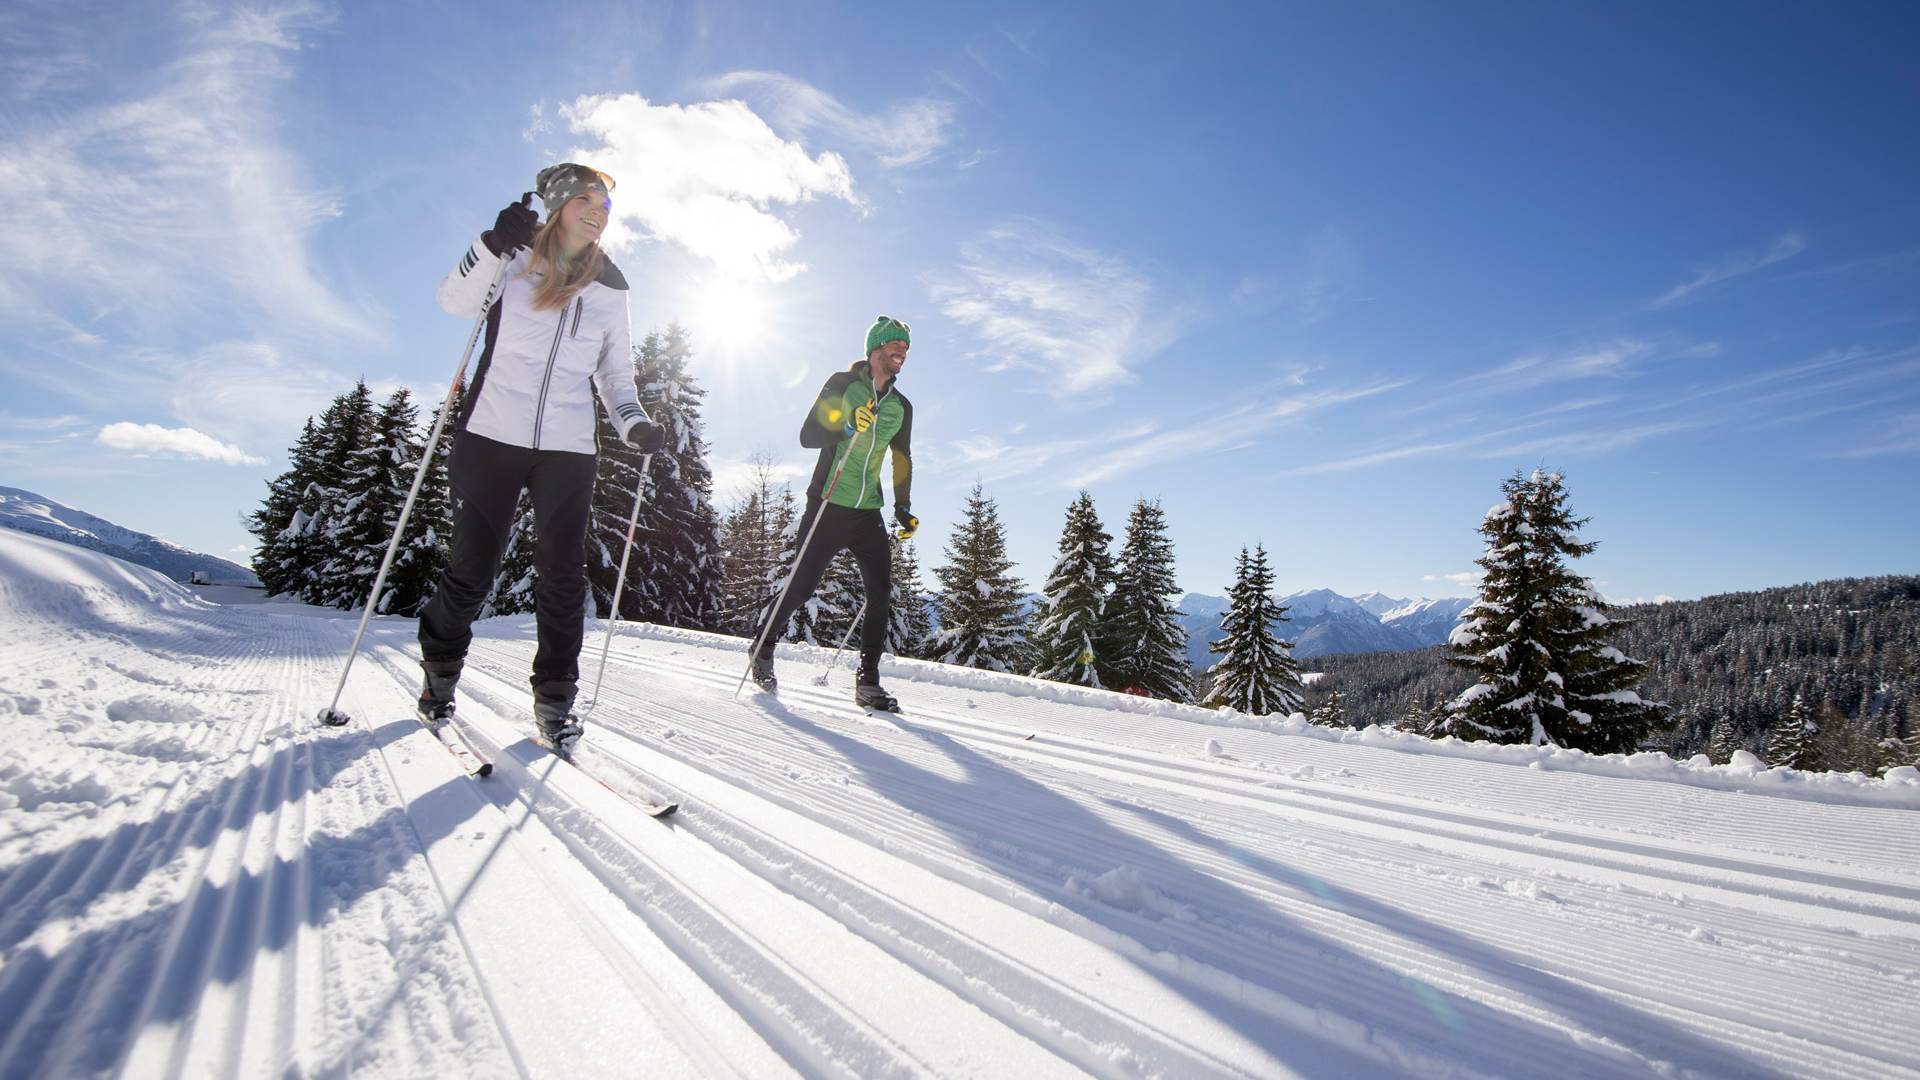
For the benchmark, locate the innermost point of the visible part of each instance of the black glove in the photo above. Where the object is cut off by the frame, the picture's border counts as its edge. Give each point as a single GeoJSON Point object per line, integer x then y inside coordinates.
{"type": "Point", "coordinates": [908, 523]}
{"type": "Point", "coordinates": [645, 436]}
{"type": "Point", "coordinates": [514, 227]}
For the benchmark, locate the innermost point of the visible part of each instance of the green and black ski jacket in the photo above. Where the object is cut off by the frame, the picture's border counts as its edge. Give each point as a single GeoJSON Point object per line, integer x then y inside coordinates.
{"type": "Point", "coordinates": [825, 429]}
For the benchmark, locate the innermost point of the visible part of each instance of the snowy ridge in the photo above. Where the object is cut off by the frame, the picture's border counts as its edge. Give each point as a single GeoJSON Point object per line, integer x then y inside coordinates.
{"type": "Point", "coordinates": [41, 516]}
{"type": "Point", "coordinates": [1016, 878]}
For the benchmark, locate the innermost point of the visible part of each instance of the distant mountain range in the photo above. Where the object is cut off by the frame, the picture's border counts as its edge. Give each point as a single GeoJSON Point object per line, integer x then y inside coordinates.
{"type": "Point", "coordinates": [41, 516]}
{"type": "Point", "coordinates": [1321, 622]}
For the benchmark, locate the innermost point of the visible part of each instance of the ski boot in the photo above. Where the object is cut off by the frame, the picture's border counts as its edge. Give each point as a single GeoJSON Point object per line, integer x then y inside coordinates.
{"type": "Point", "coordinates": [435, 706]}
{"type": "Point", "coordinates": [762, 673]}
{"type": "Point", "coordinates": [555, 725]}
{"type": "Point", "coordinates": [868, 694]}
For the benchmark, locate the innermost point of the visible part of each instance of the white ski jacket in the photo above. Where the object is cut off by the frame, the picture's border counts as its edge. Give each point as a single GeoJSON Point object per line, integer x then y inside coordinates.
{"type": "Point", "coordinates": [531, 387]}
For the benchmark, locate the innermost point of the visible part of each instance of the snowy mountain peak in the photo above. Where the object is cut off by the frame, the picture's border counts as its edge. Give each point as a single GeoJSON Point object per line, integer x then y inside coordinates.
{"type": "Point", "coordinates": [28, 512]}
{"type": "Point", "coordinates": [1380, 603]}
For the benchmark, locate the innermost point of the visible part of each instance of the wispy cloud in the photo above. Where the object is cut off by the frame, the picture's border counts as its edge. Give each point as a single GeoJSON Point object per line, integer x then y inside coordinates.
{"type": "Point", "coordinates": [165, 205]}
{"type": "Point", "coordinates": [1212, 432]}
{"type": "Point", "coordinates": [906, 133]}
{"type": "Point", "coordinates": [10, 422]}
{"type": "Point", "coordinates": [1783, 248]}
{"type": "Point", "coordinates": [1614, 358]}
{"type": "Point", "coordinates": [1464, 579]}
{"type": "Point", "coordinates": [1080, 318]}
{"type": "Point", "coordinates": [1313, 286]}
{"type": "Point", "coordinates": [145, 440]}
{"type": "Point", "coordinates": [1899, 434]}
{"type": "Point", "coordinates": [709, 177]}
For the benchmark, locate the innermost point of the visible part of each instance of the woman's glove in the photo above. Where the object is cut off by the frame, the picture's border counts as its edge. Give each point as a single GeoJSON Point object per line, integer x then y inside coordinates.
{"type": "Point", "coordinates": [513, 229]}
{"type": "Point", "coordinates": [645, 436]}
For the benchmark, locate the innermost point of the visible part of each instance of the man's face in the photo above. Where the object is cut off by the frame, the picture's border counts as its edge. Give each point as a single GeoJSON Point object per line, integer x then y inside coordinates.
{"type": "Point", "coordinates": [889, 358]}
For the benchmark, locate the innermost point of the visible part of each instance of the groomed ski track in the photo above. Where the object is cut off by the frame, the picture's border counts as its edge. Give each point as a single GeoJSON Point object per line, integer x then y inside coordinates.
{"type": "Point", "coordinates": [197, 880]}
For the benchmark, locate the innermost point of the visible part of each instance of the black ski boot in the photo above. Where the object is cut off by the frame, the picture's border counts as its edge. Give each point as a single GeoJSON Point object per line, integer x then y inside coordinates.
{"type": "Point", "coordinates": [435, 706]}
{"type": "Point", "coordinates": [868, 694]}
{"type": "Point", "coordinates": [555, 725]}
{"type": "Point", "coordinates": [762, 672]}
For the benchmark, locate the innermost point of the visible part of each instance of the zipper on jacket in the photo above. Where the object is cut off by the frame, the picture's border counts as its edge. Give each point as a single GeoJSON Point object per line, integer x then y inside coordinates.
{"type": "Point", "coordinates": [873, 440]}
{"type": "Point", "coordinates": [540, 410]}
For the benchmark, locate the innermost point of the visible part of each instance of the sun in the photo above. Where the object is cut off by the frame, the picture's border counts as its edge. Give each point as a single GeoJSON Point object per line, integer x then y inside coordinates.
{"type": "Point", "coordinates": [731, 319]}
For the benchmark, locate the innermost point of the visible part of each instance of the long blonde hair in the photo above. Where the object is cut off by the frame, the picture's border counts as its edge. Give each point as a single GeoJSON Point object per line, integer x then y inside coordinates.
{"type": "Point", "coordinates": [564, 276]}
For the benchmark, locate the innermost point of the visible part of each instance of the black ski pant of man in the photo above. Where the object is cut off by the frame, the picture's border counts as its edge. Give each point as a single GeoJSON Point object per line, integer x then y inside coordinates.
{"type": "Point", "coordinates": [864, 532]}
{"type": "Point", "coordinates": [486, 478]}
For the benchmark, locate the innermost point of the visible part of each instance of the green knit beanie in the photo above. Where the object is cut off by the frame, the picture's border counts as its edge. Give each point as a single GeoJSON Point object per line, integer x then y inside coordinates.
{"type": "Point", "coordinates": [884, 329]}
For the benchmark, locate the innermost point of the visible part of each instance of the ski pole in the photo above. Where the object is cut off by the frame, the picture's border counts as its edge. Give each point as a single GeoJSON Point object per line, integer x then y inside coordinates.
{"type": "Point", "coordinates": [834, 660]}
{"type": "Point", "coordinates": [620, 580]}
{"type": "Point", "coordinates": [331, 715]}
{"type": "Point", "coordinates": [791, 574]}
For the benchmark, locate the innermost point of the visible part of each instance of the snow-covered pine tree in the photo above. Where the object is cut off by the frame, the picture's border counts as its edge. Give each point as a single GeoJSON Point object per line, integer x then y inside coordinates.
{"type": "Point", "coordinates": [513, 585]}
{"type": "Point", "coordinates": [273, 559]}
{"type": "Point", "coordinates": [1536, 638]}
{"type": "Point", "coordinates": [316, 548]}
{"type": "Point", "coordinates": [423, 550]}
{"type": "Point", "coordinates": [1721, 742]}
{"type": "Point", "coordinates": [979, 601]}
{"type": "Point", "coordinates": [378, 478]}
{"type": "Point", "coordinates": [1793, 742]}
{"type": "Point", "coordinates": [909, 626]}
{"type": "Point", "coordinates": [1145, 645]}
{"type": "Point", "coordinates": [1256, 673]}
{"type": "Point", "coordinates": [674, 575]}
{"type": "Point", "coordinates": [828, 614]}
{"type": "Point", "coordinates": [1067, 634]}
{"type": "Point", "coordinates": [752, 539]}
{"type": "Point", "coordinates": [1331, 711]}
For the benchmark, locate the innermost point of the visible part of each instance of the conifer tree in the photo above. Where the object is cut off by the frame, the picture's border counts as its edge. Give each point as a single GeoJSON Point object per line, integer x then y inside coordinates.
{"type": "Point", "coordinates": [1145, 645]}
{"type": "Point", "coordinates": [1331, 711]}
{"type": "Point", "coordinates": [273, 560]}
{"type": "Point", "coordinates": [909, 626]}
{"type": "Point", "coordinates": [1720, 741]}
{"type": "Point", "coordinates": [981, 624]}
{"type": "Point", "coordinates": [751, 541]}
{"type": "Point", "coordinates": [1256, 673]}
{"type": "Point", "coordinates": [675, 573]}
{"type": "Point", "coordinates": [1793, 741]}
{"type": "Point", "coordinates": [317, 543]}
{"type": "Point", "coordinates": [423, 552]}
{"type": "Point", "coordinates": [1536, 638]}
{"type": "Point", "coordinates": [1067, 630]}
{"type": "Point", "coordinates": [378, 477]}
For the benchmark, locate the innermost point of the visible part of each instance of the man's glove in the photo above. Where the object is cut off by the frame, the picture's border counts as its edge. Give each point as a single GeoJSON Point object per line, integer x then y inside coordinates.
{"type": "Point", "coordinates": [908, 523]}
{"type": "Point", "coordinates": [645, 436]}
{"type": "Point", "coordinates": [514, 227]}
{"type": "Point", "coordinates": [862, 420]}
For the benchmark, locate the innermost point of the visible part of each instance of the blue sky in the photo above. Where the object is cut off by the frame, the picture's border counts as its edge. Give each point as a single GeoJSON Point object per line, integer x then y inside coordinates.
{"type": "Point", "coordinates": [1316, 276]}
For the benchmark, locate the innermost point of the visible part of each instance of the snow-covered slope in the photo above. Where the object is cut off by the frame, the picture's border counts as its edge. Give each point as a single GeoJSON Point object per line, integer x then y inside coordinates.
{"type": "Point", "coordinates": [1015, 879]}
{"type": "Point", "coordinates": [1427, 621]}
{"type": "Point", "coordinates": [41, 516]}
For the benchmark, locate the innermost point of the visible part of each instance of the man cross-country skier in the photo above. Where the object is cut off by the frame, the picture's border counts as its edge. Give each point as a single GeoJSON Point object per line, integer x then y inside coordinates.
{"type": "Point", "coordinates": [858, 412]}
{"type": "Point", "coordinates": [558, 327]}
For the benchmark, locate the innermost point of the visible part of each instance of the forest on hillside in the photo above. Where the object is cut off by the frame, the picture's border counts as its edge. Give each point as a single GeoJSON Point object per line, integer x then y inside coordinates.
{"type": "Point", "coordinates": [1847, 650]}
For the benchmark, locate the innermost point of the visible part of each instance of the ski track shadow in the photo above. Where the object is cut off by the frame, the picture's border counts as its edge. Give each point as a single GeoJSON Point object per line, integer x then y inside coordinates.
{"type": "Point", "coordinates": [172, 953]}
{"type": "Point", "coordinates": [1410, 1010]}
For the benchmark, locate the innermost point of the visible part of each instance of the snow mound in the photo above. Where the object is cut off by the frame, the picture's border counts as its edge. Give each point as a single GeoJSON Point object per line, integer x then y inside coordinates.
{"type": "Point", "coordinates": [51, 580]}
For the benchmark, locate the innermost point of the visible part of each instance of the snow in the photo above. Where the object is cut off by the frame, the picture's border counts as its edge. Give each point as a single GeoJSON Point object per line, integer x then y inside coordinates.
{"type": "Point", "coordinates": [1015, 878]}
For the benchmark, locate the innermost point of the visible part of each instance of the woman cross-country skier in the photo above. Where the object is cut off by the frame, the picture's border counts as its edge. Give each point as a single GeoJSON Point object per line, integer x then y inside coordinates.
{"type": "Point", "coordinates": [558, 329]}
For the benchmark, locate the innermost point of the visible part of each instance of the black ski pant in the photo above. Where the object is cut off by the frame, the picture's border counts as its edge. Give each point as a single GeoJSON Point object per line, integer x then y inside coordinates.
{"type": "Point", "coordinates": [486, 478]}
{"type": "Point", "coordinates": [864, 532]}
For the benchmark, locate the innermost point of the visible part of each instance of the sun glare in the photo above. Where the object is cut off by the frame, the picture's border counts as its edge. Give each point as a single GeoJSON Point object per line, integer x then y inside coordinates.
{"type": "Point", "coordinates": [731, 320]}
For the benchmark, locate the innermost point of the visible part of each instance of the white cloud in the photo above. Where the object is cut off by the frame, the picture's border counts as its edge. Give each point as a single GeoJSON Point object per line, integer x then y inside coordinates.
{"type": "Point", "coordinates": [708, 176]}
{"type": "Point", "coordinates": [1464, 579]}
{"type": "Point", "coordinates": [164, 206]}
{"type": "Point", "coordinates": [1080, 318]}
{"type": "Point", "coordinates": [537, 124]}
{"type": "Point", "coordinates": [147, 439]}
{"type": "Point", "coordinates": [907, 133]}
{"type": "Point", "coordinates": [1785, 247]}
{"type": "Point", "coordinates": [1538, 369]}
{"type": "Point", "coordinates": [1214, 431]}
